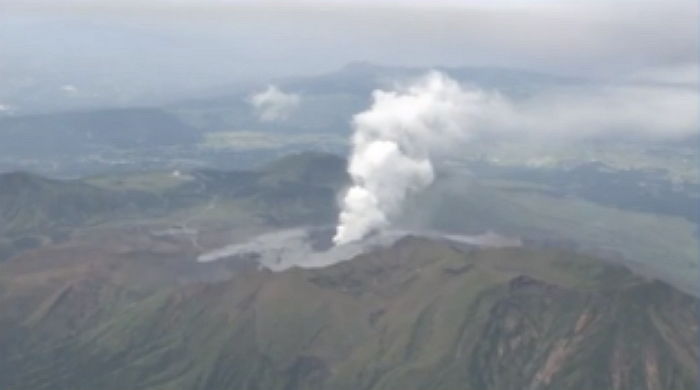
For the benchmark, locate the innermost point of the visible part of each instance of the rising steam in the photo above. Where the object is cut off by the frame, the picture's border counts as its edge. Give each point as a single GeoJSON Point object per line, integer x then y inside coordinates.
{"type": "Point", "coordinates": [396, 142]}
{"type": "Point", "coordinates": [274, 105]}
{"type": "Point", "coordinates": [392, 146]}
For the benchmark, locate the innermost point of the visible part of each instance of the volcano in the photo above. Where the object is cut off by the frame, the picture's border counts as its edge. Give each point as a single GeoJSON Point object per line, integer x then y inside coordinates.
{"type": "Point", "coordinates": [414, 314]}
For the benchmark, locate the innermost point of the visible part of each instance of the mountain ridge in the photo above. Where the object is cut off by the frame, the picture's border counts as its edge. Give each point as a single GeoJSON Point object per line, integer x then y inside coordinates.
{"type": "Point", "coordinates": [419, 314]}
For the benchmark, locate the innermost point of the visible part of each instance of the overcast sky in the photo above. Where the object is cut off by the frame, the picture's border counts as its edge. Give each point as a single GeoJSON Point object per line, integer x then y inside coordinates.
{"type": "Point", "coordinates": [202, 42]}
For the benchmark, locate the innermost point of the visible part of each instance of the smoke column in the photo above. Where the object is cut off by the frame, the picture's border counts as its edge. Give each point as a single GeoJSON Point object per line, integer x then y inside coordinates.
{"type": "Point", "coordinates": [392, 146]}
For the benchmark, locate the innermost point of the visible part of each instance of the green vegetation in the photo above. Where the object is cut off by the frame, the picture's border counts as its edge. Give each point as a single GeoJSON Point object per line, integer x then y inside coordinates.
{"type": "Point", "coordinates": [93, 296]}
{"type": "Point", "coordinates": [656, 244]}
{"type": "Point", "coordinates": [421, 314]}
{"type": "Point", "coordinates": [299, 189]}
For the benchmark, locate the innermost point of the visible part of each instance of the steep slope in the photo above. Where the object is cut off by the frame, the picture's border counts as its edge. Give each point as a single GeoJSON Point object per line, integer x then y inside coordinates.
{"type": "Point", "coordinates": [36, 211]}
{"type": "Point", "coordinates": [299, 189]}
{"type": "Point", "coordinates": [421, 314]}
{"type": "Point", "coordinates": [29, 202]}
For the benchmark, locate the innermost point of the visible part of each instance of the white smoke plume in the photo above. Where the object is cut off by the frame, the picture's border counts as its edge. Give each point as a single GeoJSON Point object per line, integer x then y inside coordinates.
{"type": "Point", "coordinates": [396, 141]}
{"type": "Point", "coordinates": [274, 105]}
{"type": "Point", "coordinates": [392, 147]}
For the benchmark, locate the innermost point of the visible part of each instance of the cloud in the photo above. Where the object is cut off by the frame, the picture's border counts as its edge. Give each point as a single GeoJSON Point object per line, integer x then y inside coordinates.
{"type": "Point", "coordinates": [69, 90]}
{"type": "Point", "coordinates": [392, 146]}
{"type": "Point", "coordinates": [681, 75]}
{"type": "Point", "coordinates": [598, 37]}
{"type": "Point", "coordinates": [6, 109]}
{"type": "Point", "coordinates": [665, 113]}
{"type": "Point", "coordinates": [274, 105]}
{"type": "Point", "coordinates": [397, 141]}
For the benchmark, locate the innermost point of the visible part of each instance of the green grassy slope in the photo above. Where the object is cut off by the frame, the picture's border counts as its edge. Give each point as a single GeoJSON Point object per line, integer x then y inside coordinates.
{"type": "Point", "coordinates": [657, 244]}
{"type": "Point", "coordinates": [419, 315]}
{"type": "Point", "coordinates": [32, 203]}
{"type": "Point", "coordinates": [299, 189]}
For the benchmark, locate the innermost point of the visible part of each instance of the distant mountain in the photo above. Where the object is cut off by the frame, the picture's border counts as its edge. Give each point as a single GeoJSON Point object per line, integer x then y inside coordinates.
{"type": "Point", "coordinates": [422, 314]}
{"type": "Point", "coordinates": [298, 189]}
{"type": "Point", "coordinates": [30, 203]}
{"type": "Point", "coordinates": [35, 211]}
